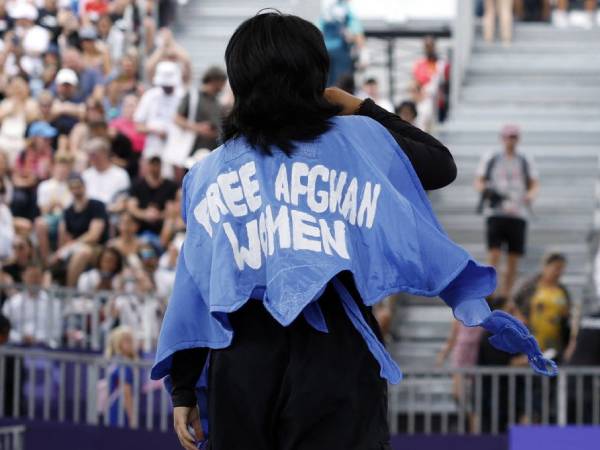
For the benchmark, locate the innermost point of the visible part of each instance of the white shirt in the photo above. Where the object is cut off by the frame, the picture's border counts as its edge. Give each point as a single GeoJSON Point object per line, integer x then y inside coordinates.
{"type": "Point", "coordinates": [157, 110]}
{"type": "Point", "coordinates": [7, 232]}
{"type": "Point", "coordinates": [53, 191]}
{"type": "Point", "coordinates": [37, 316]}
{"type": "Point", "coordinates": [105, 186]}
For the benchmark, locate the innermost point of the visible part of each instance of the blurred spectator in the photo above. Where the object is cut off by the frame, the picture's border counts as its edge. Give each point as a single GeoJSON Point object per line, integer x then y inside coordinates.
{"type": "Point", "coordinates": [104, 276]}
{"type": "Point", "coordinates": [93, 51]}
{"type": "Point", "coordinates": [510, 181]}
{"type": "Point", "coordinates": [127, 75]}
{"type": "Point", "coordinates": [158, 106]}
{"type": "Point", "coordinates": [127, 242]}
{"type": "Point", "coordinates": [112, 36]}
{"type": "Point", "coordinates": [66, 108]}
{"type": "Point", "coordinates": [168, 50]}
{"type": "Point", "coordinates": [17, 110]}
{"type": "Point", "coordinates": [94, 112]}
{"type": "Point", "coordinates": [121, 349]}
{"type": "Point", "coordinates": [33, 165]}
{"type": "Point", "coordinates": [112, 100]}
{"type": "Point", "coordinates": [370, 89]}
{"type": "Point", "coordinates": [89, 78]}
{"type": "Point", "coordinates": [53, 197]}
{"type": "Point", "coordinates": [104, 180]}
{"type": "Point", "coordinates": [173, 223]}
{"type": "Point", "coordinates": [431, 75]}
{"type": "Point", "coordinates": [503, 9]}
{"type": "Point", "coordinates": [29, 41]}
{"type": "Point", "coordinates": [125, 124]}
{"type": "Point", "coordinates": [545, 304]}
{"type": "Point", "coordinates": [22, 256]}
{"type": "Point", "coordinates": [407, 110]}
{"type": "Point", "coordinates": [207, 118]}
{"type": "Point", "coordinates": [84, 226]}
{"type": "Point", "coordinates": [149, 197]}
{"type": "Point", "coordinates": [463, 345]}
{"type": "Point", "coordinates": [35, 318]}
{"type": "Point", "coordinates": [344, 38]}
{"type": "Point", "coordinates": [560, 16]}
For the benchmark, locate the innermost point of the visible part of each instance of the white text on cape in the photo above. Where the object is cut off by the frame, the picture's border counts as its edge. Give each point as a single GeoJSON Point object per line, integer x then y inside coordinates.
{"type": "Point", "coordinates": [317, 189]}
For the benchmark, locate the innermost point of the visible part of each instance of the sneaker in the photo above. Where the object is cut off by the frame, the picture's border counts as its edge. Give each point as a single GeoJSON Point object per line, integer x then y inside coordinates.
{"type": "Point", "coordinates": [581, 19]}
{"type": "Point", "coordinates": [560, 19]}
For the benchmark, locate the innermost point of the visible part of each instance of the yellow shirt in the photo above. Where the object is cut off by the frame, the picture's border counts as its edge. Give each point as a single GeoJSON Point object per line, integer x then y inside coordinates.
{"type": "Point", "coordinates": [549, 308]}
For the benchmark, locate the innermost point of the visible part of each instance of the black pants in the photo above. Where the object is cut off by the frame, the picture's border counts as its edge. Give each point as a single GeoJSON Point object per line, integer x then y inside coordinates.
{"type": "Point", "coordinates": [295, 388]}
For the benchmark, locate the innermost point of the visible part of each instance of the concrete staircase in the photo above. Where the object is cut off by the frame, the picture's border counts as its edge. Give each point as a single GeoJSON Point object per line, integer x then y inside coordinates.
{"type": "Point", "coordinates": [205, 26]}
{"type": "Point", "coordinates": [548, 82]}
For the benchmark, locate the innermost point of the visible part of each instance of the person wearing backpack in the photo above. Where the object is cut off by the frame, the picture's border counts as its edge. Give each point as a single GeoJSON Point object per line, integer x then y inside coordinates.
{"type": "Point", "coordinates": [512, 178]}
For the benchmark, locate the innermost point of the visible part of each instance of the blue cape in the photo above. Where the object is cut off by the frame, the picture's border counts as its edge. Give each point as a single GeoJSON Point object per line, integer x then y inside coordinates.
{"type": "Point", "coordinates": [278, 229]}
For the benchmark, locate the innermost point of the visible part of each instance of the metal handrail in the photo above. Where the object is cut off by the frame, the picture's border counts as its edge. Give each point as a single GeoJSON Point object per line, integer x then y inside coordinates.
{"type": "Point", "coordinates": [12, 437]}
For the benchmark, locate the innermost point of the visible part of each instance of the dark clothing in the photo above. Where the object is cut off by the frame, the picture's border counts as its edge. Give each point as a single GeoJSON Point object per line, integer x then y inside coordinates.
{"type": "Point", "coordinates": [310, 390]}
{"type": "Point", "coordinates": [431, 160]}
{"type": "Point", "coordinates": [77, 223]}
{"type": "Point", "coordinates": [24, 203]}
{"type": "Point", "coordinates": [506, 230]}
{"type": "Point", "coordinates": [587, 345]}
{"type": "Point", "coordinates": [491, 356]}
{"type": "Point", "coordinates": [15, 271]}
{"type": "Point", "coordinates": [122, 148]}
{"type": "Point", "coordinates": [207, 110]}
{"type": "Point", "coordinates": [10, 386]}
{"type": "Point", "coordinates": [265, 392]}
{"type": "Point", "coordinates": [147, 195]}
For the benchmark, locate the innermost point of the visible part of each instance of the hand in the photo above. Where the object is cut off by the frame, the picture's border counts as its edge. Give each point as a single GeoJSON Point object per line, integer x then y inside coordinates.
{"type": "Point", "coordinates": [182, 417]}
{"type": "Point", "coordinates": [348, 102]}
{"type": "Point", "coordinates": [204, 128]}
{"type": "Point", "coordinates": [529, 197]}
{"type": "Point", "coordinates": [152, 214]}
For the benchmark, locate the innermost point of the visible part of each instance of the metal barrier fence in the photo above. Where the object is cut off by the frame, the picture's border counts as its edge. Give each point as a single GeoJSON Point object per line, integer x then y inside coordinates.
{"type": "Point", "coordinates": [81, 389]}
{"type": "Point", "coordinates": [491, 399]}
{"type": "Point", "coordinates": [66, 318]}
{"type": "Point", "coordinates": [12, 438]}
{"type": "Point", "coordinates": [88, 389]}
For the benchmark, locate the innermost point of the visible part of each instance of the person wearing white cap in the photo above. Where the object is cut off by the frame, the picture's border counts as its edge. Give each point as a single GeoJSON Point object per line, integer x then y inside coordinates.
{"type": "Point", "coordinates": [66, 108]}
{"type": "Point", "coordinates": [158, 106]}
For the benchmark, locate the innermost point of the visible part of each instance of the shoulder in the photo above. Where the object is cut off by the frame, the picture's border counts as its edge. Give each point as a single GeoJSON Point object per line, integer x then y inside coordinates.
{"type": "Point", "coordinates": [96, 205]}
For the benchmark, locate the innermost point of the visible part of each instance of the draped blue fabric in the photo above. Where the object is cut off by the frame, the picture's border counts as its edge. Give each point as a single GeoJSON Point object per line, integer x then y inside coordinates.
{"type": "Point", "coordinates": [279, 229]}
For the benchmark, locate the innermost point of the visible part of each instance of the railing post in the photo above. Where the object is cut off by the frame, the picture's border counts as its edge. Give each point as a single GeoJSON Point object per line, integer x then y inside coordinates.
{"type": "Point", "coordinates": [561, 398]}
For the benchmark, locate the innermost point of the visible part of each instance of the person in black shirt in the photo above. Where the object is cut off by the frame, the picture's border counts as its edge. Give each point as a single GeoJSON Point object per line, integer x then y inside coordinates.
{"type": "Point", "coordinates": [149, 196]}
{"type": "Point", "coordinates": [83, 226]}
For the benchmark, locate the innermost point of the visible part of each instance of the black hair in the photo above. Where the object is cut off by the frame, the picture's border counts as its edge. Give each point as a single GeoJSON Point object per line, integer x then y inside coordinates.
{"type": "Point", "coordinates": [371, 80]}
{"type": "Point", "coordinates": [117, 254]}
{"type": "Point", "coordinates": [407, 104]}
{"type": "Point", "coordinates": [214, 74]}
{"type": "Point", "coordinates": [277, 66]}
{"type": "Point", "coordinates": [4, 325]}
{"type": "Point", "coordinates": [554, 257]}
{"type": "Point", "coordinates": [346, 83]}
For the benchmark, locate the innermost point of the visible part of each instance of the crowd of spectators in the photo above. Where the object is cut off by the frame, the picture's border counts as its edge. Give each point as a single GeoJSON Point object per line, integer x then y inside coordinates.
{"type": "Point", "coordinates": [95, 99]}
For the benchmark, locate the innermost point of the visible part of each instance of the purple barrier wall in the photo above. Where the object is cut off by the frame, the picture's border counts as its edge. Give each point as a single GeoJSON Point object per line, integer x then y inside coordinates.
{"type": "Point", "coordinates": [555, 438]}
{"type": "Point", "coordinates": [56, 436]}
{"type": "Point", "coordinates": [451, 442]}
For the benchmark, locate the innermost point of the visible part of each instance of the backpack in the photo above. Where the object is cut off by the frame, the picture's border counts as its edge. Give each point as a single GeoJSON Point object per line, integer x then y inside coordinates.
{"type": "Point", "coordinates": [524, 165]}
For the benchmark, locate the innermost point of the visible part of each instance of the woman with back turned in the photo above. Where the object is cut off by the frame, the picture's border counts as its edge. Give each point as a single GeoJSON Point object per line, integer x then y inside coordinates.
{"type": "Point", "coordinates": [311, 211]}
